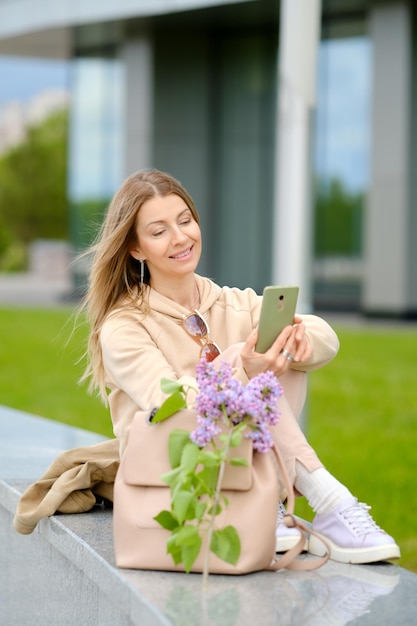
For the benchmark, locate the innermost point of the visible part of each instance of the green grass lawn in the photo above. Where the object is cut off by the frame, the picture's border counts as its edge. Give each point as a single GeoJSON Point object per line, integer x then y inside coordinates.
{"type": "Point", "coordinates": [40, 367]}
{"type": "Point", "coordinates": [363, 424]}
{"type": "Point", "coordinates": [362, 410]}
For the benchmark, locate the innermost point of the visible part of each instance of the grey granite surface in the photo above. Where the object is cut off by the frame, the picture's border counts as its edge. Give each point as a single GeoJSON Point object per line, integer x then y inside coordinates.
{"type": "Point", "coordinates": [64, 572]}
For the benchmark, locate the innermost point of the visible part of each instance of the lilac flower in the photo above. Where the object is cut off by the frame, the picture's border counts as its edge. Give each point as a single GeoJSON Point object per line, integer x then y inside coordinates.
{"type": "Point", "coordinates": [261, 395]}
{"type": "Point", "coordinates": [261, 438]}
{"type": "Point", "coordinates": [222, 398]}
{"type": "Point", "coordinates": [205, 432]}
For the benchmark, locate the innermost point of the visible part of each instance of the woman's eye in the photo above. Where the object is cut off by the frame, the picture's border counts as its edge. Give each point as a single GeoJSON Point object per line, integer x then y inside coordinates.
{"type": "Point", "coordinates": [157, 233]}
{"type": "Point", "coordinates": [185, 221]}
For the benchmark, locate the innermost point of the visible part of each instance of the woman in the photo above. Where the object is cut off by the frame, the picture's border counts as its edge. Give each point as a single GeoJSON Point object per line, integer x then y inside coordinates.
{"type": "Point", "coordinates": [143, 286]}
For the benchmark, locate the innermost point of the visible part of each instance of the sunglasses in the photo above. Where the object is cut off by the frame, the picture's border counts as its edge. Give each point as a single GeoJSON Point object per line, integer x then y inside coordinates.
{"type": "Point", "coordinates": [197, 327]}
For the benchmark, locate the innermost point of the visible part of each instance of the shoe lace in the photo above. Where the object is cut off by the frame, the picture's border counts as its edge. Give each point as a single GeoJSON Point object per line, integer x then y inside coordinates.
{"type": "Point", "coordinates": [281, 512]}
{"type": "Point", "coordinates": [359, 519]}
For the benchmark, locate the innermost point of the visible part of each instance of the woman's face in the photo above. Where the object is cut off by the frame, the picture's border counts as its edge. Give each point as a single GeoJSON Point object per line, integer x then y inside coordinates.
{"type": "Point", "coordinates": [169, 238]}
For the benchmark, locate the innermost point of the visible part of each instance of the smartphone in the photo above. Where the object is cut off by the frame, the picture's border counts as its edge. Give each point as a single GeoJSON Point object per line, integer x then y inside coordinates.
{"type": "Point", "coordinates": [277, 311]}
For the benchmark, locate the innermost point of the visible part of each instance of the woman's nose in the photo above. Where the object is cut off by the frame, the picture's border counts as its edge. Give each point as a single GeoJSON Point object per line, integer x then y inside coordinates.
{"type": "Point", "coordinates": [178, 235]}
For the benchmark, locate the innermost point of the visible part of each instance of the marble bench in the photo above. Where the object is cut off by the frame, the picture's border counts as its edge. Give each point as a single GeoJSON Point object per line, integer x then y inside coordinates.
{"type": "Point", "coordinates": [64, 572]}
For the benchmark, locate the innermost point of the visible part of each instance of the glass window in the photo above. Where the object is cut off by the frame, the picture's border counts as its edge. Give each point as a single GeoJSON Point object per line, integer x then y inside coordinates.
{"type": "Point", "coordinates": [96, 143]}
{"type": "Point", "coordinates": [342, 156]}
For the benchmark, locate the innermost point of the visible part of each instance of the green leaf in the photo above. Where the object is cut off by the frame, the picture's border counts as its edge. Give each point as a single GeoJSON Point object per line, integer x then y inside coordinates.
{"type": "Point", "coordinates": [177, 441]}
{"type": "Point", "coordinates": [239, 428]}
{"type": "Point", "coordinates": [209, 458]}
{"type": "Point", "coordinates": [200, 509]}
{"type": "Point", "coordinates": [225, 500]}
{"type": "Point", "coordinates": [189, 457]}
{"type": "Point", "coordinates": [238, 461]}
{"type": "Point", "coordinates": [236, 439]}
{"type": "Point", "coordinates": [174, 549]}
{"type": "Point", "coordinates": [166, 520]}
{"type": "Point", "coordinates": [215, 510]}
{"type": "Point", "coordinates": [170, 386]}
{"type": "Point", "coordinates": [207, 479]}
{"type": "Point", "coordinates": [170, 478]}
{"type": "Point", "coordinates": [190, 553]}
{"type": "Point", "coordinates": [172, 404]}
{"type": "Point", "coordinates": [187, 535]}
{"type": "Point", "coordinates": [190, 514]}
{"type": "Point", "coordinates": [181, 503]}
{"type": "Point", "coordinates": [225, 544]}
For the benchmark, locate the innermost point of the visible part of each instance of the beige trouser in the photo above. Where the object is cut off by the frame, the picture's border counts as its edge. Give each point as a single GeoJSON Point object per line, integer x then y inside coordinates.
{"type": "Point", "coordinates": [287, 434]}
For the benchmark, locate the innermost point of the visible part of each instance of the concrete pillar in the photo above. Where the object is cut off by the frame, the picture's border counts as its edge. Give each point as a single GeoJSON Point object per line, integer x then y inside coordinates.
{"type": "Point", "coordinates": [389, 243]}
{"type": "Point", "coordinates": [292, 242]}
{"type": "Point", "coordinates": [137, 55]}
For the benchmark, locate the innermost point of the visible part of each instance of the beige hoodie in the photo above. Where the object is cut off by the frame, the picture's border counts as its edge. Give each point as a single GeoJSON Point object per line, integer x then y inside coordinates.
{"type": "Point", "coordinates": [140, 349]}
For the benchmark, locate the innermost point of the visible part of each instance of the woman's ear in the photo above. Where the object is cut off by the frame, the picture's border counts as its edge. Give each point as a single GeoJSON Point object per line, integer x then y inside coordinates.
{"type": "Point", "coordinates": [136, 254]}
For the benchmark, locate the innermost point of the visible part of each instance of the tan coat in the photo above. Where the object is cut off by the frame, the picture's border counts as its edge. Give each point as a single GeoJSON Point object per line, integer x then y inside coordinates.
{"type": "Point", "coordinates": [72, 484]}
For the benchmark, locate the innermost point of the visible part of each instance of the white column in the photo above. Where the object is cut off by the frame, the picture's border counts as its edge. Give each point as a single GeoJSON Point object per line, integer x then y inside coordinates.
{"type": "Point", "coordinates": [137, 55]}
{"type": "Point", "coordinates": [298, 48]}
{"type": "Point", "coordinates": [387, 220]}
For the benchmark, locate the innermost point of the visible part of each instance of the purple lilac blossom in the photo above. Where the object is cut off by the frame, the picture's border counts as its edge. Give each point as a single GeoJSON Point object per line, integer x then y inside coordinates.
{"type": "Point", "coordinates": [222, 397]}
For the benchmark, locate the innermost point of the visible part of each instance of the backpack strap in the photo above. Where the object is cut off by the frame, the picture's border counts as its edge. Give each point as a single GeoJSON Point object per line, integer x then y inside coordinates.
{"type": "Point", "coordinates": [288, 560]}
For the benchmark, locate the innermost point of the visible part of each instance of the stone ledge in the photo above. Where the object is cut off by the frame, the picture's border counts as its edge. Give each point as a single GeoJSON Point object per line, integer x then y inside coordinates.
{"type": "Point", "coordinates": [55, 544]}
{"type": "Point", "coordinates": [64, 573]}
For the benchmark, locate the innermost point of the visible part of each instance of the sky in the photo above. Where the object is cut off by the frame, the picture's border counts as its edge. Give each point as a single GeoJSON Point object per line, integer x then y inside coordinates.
{"type": "Point", "coordinates": [22, 78]}
{"type": "Point", "coordinates": [343, 115]}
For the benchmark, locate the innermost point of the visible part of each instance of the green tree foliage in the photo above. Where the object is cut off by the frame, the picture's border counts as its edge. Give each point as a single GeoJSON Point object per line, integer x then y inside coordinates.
{"type": "Point", "coordinates": [33, 196]}
{"type": "Point", "coordinates": [338, 224]}
{"type": "Point", "coordinates": [87, 217]}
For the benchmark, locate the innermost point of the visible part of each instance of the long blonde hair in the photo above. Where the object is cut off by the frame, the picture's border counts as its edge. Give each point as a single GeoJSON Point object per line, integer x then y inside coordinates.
{"type": "Point", "coordinates": [115, 275]}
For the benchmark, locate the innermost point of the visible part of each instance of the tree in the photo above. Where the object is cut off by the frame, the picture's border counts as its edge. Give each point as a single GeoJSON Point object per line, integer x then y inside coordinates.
{"type": "Point", "coordinates": [33, 194]}
{"type": "Point", "coordinates": [338, 227]}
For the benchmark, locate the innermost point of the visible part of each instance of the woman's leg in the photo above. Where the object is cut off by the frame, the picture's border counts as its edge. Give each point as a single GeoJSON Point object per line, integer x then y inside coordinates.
{"type": "Point", "coordinates": [346, 524]}
{"type": "Point", "coordinates": [288, 436]}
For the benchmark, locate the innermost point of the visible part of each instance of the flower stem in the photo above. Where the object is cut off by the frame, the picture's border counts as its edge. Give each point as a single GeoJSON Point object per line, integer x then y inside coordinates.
{"type": "Point", "coordinates": [214, 507]}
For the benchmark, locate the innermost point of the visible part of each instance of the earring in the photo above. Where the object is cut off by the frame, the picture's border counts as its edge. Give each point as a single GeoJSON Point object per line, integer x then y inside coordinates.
{"type": "Point", "coordinates": [142, 270]}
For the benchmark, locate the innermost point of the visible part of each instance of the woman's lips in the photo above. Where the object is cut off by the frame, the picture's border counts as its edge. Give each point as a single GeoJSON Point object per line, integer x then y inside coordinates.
{"type": "Point", "coordinates": [183, 254]}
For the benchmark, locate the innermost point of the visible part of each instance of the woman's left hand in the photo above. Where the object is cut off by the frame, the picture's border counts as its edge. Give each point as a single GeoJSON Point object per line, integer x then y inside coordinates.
{"type": "Point", "coordinates": [291, 346]}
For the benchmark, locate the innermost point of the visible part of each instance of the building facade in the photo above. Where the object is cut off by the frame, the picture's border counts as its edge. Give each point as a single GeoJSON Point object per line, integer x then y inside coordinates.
{"type": "Point", "coordinates": [191, 87]}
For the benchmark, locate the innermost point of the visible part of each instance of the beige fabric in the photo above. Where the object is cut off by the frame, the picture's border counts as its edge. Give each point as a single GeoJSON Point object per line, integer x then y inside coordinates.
{"type": "Point", "coordinates": [287, 434]}
{"type": "Point", "coordinates": [77, 476]}
{"type": "Point", "coordinates": [138, 350]}
{"type": "Point", "coordinates": [70, 484]}
{"type": "Point", "coordinates": [252, 493]}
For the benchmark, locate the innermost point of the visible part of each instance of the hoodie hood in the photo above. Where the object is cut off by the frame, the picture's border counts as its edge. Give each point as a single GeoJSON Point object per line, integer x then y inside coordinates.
{"type": "Point", "coordinates": [209, 293]}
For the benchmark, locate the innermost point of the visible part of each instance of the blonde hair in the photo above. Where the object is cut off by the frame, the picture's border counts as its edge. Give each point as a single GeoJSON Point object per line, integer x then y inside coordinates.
{"type": "Point", "coordinates": [115, 275]}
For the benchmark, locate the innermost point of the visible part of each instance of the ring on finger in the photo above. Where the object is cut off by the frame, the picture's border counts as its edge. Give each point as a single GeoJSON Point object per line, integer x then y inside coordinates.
{"type": "Point", "coordinates": [287, 355]}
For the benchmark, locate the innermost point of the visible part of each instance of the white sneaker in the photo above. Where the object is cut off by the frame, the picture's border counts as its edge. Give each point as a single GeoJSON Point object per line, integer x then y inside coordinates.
{"type": "Point", "coordinates": [352, 535]}
{"type": "Point", "coordinates": [287, 538]}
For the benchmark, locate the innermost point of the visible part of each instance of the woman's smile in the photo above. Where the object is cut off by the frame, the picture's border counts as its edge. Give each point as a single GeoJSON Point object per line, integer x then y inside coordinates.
{"type": "Point", "coordinates": [182, 255]}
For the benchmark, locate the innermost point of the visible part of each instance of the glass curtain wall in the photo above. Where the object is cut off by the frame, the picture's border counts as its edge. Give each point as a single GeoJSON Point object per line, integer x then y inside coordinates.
{"type": "Point", "coordinates": [342, 159]}
{"type": "Point", "coordinates": [96, 145]}
{"type": "Point", "coordinates": [214, 128]}
{"type": "Point", "coordinates": [244, 167]}
{"type": "Point", "coordinates": [214, 115]}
